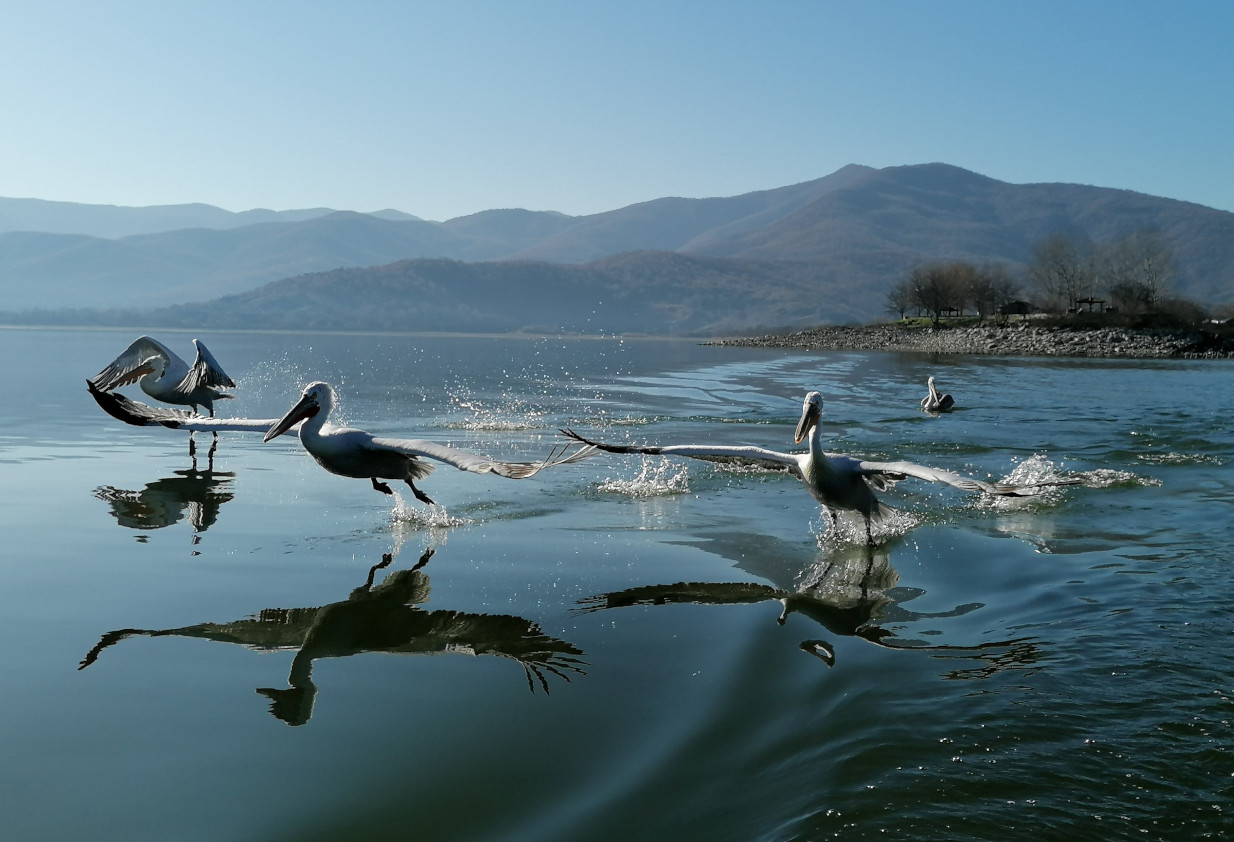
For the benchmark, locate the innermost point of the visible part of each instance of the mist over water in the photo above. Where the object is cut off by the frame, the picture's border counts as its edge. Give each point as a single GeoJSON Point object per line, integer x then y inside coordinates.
{"type": "Point", "coordinates": [628, 647]}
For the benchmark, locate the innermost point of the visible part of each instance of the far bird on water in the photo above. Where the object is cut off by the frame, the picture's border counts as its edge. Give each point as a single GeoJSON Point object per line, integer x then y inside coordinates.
{"type": "Point", "coordinates": [935, 402]}
{"type": "Point", "coordinates": [162, 375]}
{"type": "Point", "coordinates": [835, 480]}
{"type": "Point", "coordinates": [340, 450]}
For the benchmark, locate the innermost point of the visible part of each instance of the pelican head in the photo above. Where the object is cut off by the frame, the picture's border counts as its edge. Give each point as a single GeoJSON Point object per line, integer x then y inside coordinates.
{"type": "Point", "coordinates": [811, 412]}
{"type": "Point", "coordinates": [316, 397]}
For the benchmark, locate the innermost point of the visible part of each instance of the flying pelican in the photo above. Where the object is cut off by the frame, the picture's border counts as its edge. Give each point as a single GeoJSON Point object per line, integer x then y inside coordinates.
{"type": "Point", "coordinates": [164, 376]}
{"type": "Point", "coordinates": [934, 402]}
{"type": "Point", "coordinates": [340, 450]}
{"type": "Point", "coordinates": [835, 480]}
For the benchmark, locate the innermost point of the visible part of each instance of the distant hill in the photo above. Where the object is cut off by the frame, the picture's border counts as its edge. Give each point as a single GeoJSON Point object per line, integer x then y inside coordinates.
{"type": "Point", "coordinates": [659, 293]}
{"type": "Point", "coordinates": [836, 243]}
{"type": "Point", "coordinates": [112, 221]}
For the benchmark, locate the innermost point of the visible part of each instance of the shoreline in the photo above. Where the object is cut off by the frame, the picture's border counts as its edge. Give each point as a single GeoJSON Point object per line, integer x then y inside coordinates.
{"type": "Point", "coordinates": [1019, 340]}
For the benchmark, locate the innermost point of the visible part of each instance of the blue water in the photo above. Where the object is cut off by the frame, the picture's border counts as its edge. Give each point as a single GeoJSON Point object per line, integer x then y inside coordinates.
{"type": "Point", "coordinates": [628, 648]}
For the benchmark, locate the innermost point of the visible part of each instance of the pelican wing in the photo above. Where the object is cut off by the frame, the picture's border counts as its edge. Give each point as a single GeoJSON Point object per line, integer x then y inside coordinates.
{"type": "Point", "coordinates": [741, 455]}
{"type": "Point", "coordinates": [697, 593]}
{"type": "Point", "coordinates": [126, 368]}
{"type": "Point", "coordinates": [886, 474]}
{"type": "Point", "coordinates": [206, 371]}
{"type": "Point", "coordinates": [467, 461]}
{"type": "Point", "coordinates": [143, 415]}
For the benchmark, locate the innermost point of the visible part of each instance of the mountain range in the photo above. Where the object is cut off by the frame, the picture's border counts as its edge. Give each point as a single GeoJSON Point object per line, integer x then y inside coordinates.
{"type": "Point", "coordinates": [824, 251]}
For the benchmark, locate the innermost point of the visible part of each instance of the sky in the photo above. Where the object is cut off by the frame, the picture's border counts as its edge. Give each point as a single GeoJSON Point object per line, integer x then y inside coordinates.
{"type": "Point", "coordinates": [442, 109]}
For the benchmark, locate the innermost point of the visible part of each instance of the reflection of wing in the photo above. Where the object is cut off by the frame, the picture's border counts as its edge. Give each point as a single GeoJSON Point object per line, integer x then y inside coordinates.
{"type": "Point", "coordinates": [701, 593]}
{"type": "Point", "coordinates": [378, 619]}
{"type": "Point", "coordinates": [271, 629]}
{"type": "Point", "coordinates": [740, 455]}
{"type": "Point", "coordinates": [467, 461]}
{"type": "Point", "coordinates": [142, 415]}
{"type": "Point", "coordinates": [164, 501]}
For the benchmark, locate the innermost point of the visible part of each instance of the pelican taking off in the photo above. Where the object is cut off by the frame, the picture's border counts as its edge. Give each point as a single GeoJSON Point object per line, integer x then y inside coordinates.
{"type": "Point", "coordinates": [835, 480]}
{"type": "Point", "coordinates": [934, 402]}
{"type": "Point", "coordinates": [164, 376]}
{"type": "Point", "coordinates": [340, 450]}
{"type": "Point", "coordinates": [355, 453]}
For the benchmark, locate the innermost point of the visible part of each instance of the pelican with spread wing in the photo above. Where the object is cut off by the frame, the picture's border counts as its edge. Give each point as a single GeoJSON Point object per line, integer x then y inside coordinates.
{"type": "Point", "coordinates": [355, 453]}
{"type": "Point", "coordinates": [165, 377]}
{"type": "Point", "coordinates": [340, 450]}
{"type": "Point", "coordinates": [835, 480]}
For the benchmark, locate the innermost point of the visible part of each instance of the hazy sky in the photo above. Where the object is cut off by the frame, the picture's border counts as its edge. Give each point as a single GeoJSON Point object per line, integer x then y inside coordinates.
{"type": "Point", "coordinates": [450, 107]}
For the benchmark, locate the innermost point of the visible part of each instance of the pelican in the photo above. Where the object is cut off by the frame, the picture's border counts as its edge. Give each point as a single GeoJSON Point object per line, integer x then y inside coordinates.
{"type": "Point", "coordinates": [165, 377]}
{"type": "Point", "coordinates": [340, 450]}
{"type": "Point", "coordinates": [355, 453]}
{"type": "Point", "coordinates": [836, 481]}
{"type": "Point", "coordinates": [934, 402]}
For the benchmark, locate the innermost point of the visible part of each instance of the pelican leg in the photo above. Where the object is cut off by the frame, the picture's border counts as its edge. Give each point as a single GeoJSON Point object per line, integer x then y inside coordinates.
{"type": "Point", "coordinates": [381, 486]}
{"type": "Point", "coordinates": [192, 445]}
{"type": "Point", "coordinates": [386, 559]}
{"type": "Point", "coordinates": [420, 495]}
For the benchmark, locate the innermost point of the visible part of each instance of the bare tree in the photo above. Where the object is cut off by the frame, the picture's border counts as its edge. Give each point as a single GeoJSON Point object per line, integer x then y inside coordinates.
{"type": "Point", "coordinates": [900, 298]}
{"type": "Point", "coordinates": [1063, 270]}
{"type": "Point", "coordinates": [1140, 269]}
{"type": "Point", "coordinates": [934, 289]}
{"type": "Point", "coordinates": [989, 288]}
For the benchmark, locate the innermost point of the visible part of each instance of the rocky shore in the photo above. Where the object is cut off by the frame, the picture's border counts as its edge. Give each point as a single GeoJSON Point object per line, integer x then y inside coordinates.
{"type": "Point", "coordinates": [1022, 339]}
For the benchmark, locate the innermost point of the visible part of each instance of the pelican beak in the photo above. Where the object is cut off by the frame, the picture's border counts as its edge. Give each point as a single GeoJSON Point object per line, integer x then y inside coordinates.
{"type": "Point", "coordinates": [809, 417]}
{"type": "Point", "coordinates": [306, 408]}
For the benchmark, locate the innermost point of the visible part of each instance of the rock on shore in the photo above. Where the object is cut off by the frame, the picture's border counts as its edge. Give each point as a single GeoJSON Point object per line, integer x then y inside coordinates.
{"type": "Point", "coordinates": [1014, 340]}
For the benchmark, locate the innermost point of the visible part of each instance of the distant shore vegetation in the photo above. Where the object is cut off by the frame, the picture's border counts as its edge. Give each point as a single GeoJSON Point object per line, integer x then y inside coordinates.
{"type": "Point", "coordinates": [1069, 281]}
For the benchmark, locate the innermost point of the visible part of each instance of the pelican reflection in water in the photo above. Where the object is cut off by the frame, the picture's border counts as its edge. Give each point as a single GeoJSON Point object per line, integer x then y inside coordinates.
{"type": "Point", "coordinates": [375, 618]}
{"type": "Point", "coordinates": [163, 502]}
{"type": "Point", "coordinates": [853, 592]}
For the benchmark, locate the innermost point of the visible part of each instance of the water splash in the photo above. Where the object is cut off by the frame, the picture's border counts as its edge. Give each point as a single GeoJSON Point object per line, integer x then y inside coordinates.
{"type": "Point", "coordinates": [1180, 459]}
{"type": "Point", "coordinates": [1035, 470]}
{"type": "Point", "coordinates": [656, 478]}
{"type": "Point", "coordinates": [511, 414]}
{"type": "Point", "coordinates": [844, 529]}
{"type": "Point", "coordinates": [1108, 477]}
{"type": "Point", "coordinates": [431, 517]}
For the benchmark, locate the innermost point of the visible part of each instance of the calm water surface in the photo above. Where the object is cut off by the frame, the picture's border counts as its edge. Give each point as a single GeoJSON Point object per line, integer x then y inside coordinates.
{"type": "Point", "coordinates": [627, 648]}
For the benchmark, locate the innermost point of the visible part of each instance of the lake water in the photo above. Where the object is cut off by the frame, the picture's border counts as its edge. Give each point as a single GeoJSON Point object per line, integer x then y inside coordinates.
{"type": "Point", "coordinates": [597, 653]}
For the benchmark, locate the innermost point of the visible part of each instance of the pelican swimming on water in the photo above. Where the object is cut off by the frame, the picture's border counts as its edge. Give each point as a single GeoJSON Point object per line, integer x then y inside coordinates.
{"type": "Point", "coordinates": [934, 402]}
{"type": "Point", "coordinates": [340, 450]}
{"type": "Point", "coordinates": [835, 480]}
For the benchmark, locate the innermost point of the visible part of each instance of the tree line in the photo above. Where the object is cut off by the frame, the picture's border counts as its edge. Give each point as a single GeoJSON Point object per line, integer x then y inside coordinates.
{"type": "Point", "coordinates": [1066, 273]}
